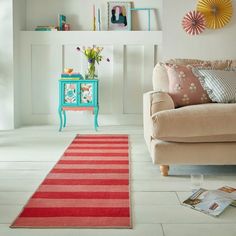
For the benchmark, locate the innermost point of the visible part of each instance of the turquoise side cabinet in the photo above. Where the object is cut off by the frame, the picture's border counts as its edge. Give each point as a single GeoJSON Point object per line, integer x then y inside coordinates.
{"type": "Point", "coordinates": [77, 95]}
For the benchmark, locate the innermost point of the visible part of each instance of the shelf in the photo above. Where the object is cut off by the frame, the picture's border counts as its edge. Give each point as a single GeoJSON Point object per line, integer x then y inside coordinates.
{"type": "Point", "coordinates": [92, 37]}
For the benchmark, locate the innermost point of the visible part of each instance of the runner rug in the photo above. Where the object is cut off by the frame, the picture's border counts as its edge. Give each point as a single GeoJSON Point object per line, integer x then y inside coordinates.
{"type": "Point", "coordinates": [87, 188]}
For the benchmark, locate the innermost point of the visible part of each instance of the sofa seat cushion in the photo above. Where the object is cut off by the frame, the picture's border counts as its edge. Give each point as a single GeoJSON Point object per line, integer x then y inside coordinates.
{"type": "Point", "coordinates": [196, 123]}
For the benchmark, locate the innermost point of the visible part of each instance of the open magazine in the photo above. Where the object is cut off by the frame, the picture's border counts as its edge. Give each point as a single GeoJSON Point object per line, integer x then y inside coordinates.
{"type": "Point", "coordinates": [212, 202]}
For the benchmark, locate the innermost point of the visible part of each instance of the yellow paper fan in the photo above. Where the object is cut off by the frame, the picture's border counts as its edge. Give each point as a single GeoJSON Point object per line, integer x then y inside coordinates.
{"type": "Point", "coordinates": [217, 12]}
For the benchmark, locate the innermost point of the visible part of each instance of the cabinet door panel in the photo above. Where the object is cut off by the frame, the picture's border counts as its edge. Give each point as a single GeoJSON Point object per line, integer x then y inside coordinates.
{"type": "Point", "coordinates": [87, 93]}
{"type": "Point", "coordinates": [70, 93]}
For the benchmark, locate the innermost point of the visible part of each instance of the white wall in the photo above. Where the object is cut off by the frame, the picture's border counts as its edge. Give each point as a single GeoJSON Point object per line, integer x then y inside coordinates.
{"type": "Point", "coordinates": [211, 44]}
{"type": "Point", "coordinates": [19, 23]}
{"type": "Point", "coordinates": [6, 66]}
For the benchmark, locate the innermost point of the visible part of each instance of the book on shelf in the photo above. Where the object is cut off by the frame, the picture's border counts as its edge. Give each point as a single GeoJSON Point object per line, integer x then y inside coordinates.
{"type": "Point", "coordinates": [61, 21]}
{"type": "Point", "coordinates": [212, 202]}
{"type": "Point", "coordinates": [71, 76]}
{"type": "Point", "coordinates": [45, 28]}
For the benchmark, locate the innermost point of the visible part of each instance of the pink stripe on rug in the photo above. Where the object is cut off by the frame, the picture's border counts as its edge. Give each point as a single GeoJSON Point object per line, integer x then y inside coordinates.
{"type": "Point", "coordinates": [90, 166]}
{"type": "Point", "coordinates": [61, 176]}
{"type": "Point", "coordinates": [87, 188]}
{"type": "Point", "coordinates": [83, 188]}
{"type": "Point", "coordinates": [75, 222]}
{"type": "Point", "coordinates": [44, 203]}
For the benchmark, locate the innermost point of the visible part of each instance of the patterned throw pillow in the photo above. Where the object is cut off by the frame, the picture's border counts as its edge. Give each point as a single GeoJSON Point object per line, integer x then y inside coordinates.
{"type": "Point", "coordinates": [220, 85]}
{"type": "Point", "coordinates": [184, 87]}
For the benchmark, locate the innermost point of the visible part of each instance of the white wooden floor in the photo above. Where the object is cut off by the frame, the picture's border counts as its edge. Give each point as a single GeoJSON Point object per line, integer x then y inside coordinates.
{"type": "Point", "coordinates": [27, 155]}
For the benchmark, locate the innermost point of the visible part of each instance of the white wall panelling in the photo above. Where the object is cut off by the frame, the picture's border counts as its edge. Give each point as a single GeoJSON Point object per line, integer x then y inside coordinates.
{"type": "Point", "coordinates": [122, 81]}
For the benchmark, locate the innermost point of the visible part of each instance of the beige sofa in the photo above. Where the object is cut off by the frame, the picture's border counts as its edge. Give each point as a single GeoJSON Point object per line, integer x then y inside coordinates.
{"type": "Point", "coordinates": [202, 134]}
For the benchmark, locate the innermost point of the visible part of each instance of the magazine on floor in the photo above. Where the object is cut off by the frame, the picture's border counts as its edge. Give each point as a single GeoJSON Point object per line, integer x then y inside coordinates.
{"type": "Point", "coordinates": [212, 202]}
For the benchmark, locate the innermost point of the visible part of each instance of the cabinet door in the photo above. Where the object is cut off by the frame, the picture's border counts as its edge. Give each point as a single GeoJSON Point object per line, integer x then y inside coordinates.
{"type": "Point", "coordinates": [87, 94]}
{"type": "Point", "coordinates": [69, 93]}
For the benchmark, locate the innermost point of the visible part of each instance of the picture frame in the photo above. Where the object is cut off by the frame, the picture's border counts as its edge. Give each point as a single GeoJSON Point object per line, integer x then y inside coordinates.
{"type": "Point", "coordinates": [119, 16]}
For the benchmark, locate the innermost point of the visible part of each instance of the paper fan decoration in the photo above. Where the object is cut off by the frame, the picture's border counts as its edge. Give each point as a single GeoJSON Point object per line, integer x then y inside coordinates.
{"type": "Point", "coordinates": [217, 12]}
{"type": "Point", "coordinates": [194, 23]}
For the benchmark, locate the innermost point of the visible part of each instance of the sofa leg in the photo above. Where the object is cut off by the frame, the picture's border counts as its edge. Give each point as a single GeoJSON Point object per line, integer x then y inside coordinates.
{"type": "Point", "coordinates": [164, 170]}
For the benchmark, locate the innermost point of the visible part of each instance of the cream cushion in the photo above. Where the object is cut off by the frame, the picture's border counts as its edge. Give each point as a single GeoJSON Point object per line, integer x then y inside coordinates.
{"type": "Point", "coordinates": [196, 123]}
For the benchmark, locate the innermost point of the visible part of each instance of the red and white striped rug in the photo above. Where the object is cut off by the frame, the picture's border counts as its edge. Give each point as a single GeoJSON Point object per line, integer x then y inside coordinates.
{"type": "Point", "coordinates": [88, 187]}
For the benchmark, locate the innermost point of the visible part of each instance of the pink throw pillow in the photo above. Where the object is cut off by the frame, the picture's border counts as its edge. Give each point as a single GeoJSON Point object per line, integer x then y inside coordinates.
{"type": "Point", "coordinates": [184, 87]}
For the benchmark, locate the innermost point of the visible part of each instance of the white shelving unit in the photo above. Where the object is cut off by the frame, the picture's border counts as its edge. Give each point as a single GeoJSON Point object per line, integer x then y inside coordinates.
{"type": "Point", "coordinates": [93, 37]}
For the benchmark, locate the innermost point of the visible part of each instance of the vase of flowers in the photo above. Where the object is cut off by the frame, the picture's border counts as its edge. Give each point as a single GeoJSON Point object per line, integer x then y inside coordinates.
{"type": "Point", "coordinates": [93, 56]}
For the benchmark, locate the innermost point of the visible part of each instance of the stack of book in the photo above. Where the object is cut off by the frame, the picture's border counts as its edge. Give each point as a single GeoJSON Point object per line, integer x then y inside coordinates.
{"type": "Point", "coordinates": [46, 28]}
{"type": "Point", "coordinates": [71, 76]}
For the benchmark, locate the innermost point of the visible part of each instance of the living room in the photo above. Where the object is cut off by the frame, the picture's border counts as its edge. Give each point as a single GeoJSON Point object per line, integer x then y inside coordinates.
{"type": "Point", "coordinates": [156, 151]}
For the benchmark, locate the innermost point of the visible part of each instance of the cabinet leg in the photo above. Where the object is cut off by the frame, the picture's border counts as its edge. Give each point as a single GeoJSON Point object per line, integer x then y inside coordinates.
{"type": "Point", "coordinates": [64, 118]}
{"type": "Point", "coordinates": [164, 170]}
{"type": "Point", "coordinates": [96, 109]}
{"type": "Point", "coordinates": [60, 116]}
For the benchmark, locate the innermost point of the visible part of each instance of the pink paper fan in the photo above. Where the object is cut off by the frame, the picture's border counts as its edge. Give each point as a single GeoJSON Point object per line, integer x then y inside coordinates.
{"type": "Point", "coordinates": [194, 23]}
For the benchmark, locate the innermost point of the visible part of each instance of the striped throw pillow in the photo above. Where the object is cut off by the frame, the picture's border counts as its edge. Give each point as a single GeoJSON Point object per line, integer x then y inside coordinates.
{"type": "Point", "coordinates": [220, 85]}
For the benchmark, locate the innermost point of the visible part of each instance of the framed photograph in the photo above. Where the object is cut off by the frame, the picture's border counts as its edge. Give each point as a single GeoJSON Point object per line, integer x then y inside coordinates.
{"type": "Point", "coordinates": [119, 16]}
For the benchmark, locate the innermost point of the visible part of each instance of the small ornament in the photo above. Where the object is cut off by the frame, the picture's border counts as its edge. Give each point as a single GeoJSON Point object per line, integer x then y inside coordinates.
{"type": "Point", "coordinates": [217, 12]}
{"type": "Point", "coordinates": [194, 23]}
{"type": "Point", "coordinates": [68, 70]}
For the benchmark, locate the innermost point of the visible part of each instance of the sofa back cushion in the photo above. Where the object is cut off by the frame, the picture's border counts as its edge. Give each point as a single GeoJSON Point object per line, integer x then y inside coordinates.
{"type": "Point", "coordinates": [160, 79]}
{"type": "Point", "coordinates": [184, 87]}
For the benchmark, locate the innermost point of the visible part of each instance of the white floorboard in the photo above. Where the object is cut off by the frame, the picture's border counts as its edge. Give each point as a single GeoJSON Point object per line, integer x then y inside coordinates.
{"type": "Point", "coordinates": [28, 154]}
{"type": "Point", "coordinates": [200, 229]}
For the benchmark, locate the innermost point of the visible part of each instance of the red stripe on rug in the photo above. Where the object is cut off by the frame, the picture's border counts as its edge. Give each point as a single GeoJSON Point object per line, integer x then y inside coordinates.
{"type": "Point", "coordinates": [89, 136]}
{"type": "Point", "coordinates": [99, 142]}
{"type": "Point", "coordinates": [88, 187]}
{"type": "Point", "coordinates": [85, 182]}
{"type": "Point", "coordinates": [104, 171]}
{"type": "Point", "coordinates": [97, 148]}
{"type": "Point", "coordinates": [78, 154]}
{"type": "Point", "coordinates": [76, 212]}
{"type": "Point", "coordinates": [82, 195]}
{"type": "Point", "coordinates": [92, 162]}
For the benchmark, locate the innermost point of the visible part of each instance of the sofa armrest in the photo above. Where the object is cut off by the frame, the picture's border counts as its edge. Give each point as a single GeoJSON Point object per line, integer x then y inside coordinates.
{"type": "Point", "coordinates": [154, 102]}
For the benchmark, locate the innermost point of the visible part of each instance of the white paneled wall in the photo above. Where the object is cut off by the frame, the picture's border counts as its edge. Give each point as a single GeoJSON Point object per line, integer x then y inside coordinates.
{"type": "Point", "coordinates": [122, 80]}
